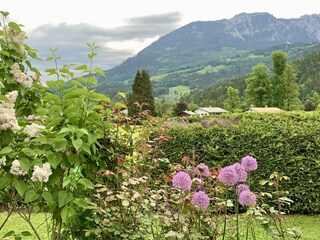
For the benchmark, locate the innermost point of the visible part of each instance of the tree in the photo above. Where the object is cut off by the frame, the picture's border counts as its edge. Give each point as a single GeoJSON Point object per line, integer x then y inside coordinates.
{"type": "Point", "coordinates": [233, 101]}
{"type": "Point", "coordinates": [291, 89]}
{"type": "Point", "coordinates": [141, 98]}
{"type": "Point", "coordinates": [279, 62]}
{"type": "Point", "coordinates": [258, 86]}
{"type": "Point", "coordinates": [180, 107]}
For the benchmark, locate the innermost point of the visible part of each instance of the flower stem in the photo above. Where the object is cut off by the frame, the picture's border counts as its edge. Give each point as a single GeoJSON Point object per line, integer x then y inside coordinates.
{"type": "Point", "coordinates": [225, 217]}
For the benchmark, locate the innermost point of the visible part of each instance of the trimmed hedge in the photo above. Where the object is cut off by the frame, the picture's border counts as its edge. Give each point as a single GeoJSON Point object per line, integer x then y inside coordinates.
{"type": "Point", "coordinates": [285, 142]}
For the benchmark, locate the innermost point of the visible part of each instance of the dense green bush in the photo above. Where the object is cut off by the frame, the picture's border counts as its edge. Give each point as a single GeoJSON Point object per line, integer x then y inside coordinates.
{"type": "Point", "coordinates": [287, 143]}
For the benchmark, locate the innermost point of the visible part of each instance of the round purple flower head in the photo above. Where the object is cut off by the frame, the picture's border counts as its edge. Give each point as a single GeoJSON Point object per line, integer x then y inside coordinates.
{"type": "Point", "coordinates": [242, 174]}
{"type": "Point", "coordinates": [228, 175]}
{"type": "Point", "coordinates": [182, 181]}
{"type": "Point", "coordinates": [247, 198]}
{"type": "Point", "coordinates": [249, 163]}
{"type": "Point", "coordinates": [242, 187]}
{"type": "Point", "coordinates": [202, 170]}
{"type": "Point", "coordinates": [200, 200]}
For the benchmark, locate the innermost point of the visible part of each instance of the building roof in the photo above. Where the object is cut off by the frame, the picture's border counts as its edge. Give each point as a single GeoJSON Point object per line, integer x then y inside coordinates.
{"type": "Point", "coordinates": [212, 109]}
{"type": "Point", "coordinates": [189, 113]}
{"type": "Point", "coordinates": [265, 109]}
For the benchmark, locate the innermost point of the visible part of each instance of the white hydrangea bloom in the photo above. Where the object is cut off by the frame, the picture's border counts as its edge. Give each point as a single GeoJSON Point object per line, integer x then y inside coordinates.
{"type": "Point", "coordinates": [7, 113]}
{"type": "Point", "coordinates": [21, 77]}
{"type": "Point", "coordinates": [12, 36]}
{"type": "Point", "coordinates": [16, 169]}
{"type": "Point", "coordinates": [41, 174]}
{"type": "Point", "coordinates": [33, 130]}
{"type": "Point", "coordinates": [12, 96]}
{"type": "Point", "coordinates": [3, 161]}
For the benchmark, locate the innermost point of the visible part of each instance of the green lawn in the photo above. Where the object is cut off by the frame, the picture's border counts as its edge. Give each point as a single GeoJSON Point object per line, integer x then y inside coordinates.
{"type": "Point", "coordinates": [309, 226]}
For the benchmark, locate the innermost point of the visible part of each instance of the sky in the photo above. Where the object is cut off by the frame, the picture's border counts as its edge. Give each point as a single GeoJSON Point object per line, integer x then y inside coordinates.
{"type": "Point", "coordinates": [122, 28]}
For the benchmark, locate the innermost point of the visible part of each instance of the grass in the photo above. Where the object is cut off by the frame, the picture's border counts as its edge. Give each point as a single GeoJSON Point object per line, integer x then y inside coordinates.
{"type": "Point", "coordinates": [308, 225]}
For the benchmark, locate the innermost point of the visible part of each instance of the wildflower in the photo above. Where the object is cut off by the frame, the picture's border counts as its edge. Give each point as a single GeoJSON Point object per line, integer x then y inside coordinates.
{"type": "Point", "coordinates": [16, 168]}
{"type": "Point", "coordinates": [249, 163]}
{"type": "Point", "coordinates": [202, 170]}
{"type": "Point", "coordinates": [182, 181]}
{"type": "Point", "coordinates": [242, 174]}
{"type": "Point", "coordinates": [200, 200]}
{"type": "Point", "coordinates": [41, 174]}
{"type": "Point", "coordinates": [247, 198]}
{"type": "Point", "coordinates": [33, 130]}
{"type": "Point", "coordinates": [228, 175]}
{"type": "Point", "coordinates": [3, 161]}
{"type": "Point", "coordinates": [242, 187]}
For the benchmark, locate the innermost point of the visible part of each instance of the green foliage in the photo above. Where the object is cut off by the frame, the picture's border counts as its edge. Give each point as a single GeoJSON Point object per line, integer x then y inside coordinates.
{"type": "Point", "coordinates": [258, 91]}
{"type": "Point", "coordinates": [232, 102]}
{"type": "Point", "coordinates": [286, 142]}
{"type": "Point", "coordinates": [141, 98]}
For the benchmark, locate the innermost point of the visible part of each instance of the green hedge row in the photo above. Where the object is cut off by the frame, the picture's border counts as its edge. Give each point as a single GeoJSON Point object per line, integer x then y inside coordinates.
{"type": "Point", "coordinates": [285, 142]}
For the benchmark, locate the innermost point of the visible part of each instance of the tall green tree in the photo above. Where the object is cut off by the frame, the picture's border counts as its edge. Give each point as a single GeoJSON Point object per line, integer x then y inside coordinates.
{"type": "Point", "coordinates": [279, 62]}
{"type": "Point", "coordinates": [258, 86]}
{"type": "Point", "coordinates": [291, 89]}
{"type": "Point", "coordinates": [232, 102]}
{"type": "Point", "coordinates": [141, 98]}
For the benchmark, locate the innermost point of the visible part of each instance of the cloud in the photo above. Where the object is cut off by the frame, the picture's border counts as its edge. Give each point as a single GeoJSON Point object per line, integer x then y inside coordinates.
{"type": "Point", "coordinates": [70, 40]}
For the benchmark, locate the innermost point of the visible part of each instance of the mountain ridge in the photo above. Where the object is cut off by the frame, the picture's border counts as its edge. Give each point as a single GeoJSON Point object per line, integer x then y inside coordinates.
{"type": "Point", "coordinates": [201, 42]}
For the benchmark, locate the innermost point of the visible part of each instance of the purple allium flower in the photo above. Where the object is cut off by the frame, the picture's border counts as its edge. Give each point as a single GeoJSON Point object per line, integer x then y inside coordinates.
{"type": "Point", "coordinates": [242, 174]}
{"type": "Point", "coordinates": [247, 198]}
{"type": "Point", "coordinates": [242, 187]}
{"type": "Point", "coordinates": [228, 175]}
{"type": "Point", "coordinates": [202, 170]}
{"type": "Point", "coordinates": [200, 200]}
{"type": "Point", "coordinates": [182, 181]}
{"type": "Point", "coordinates": [249, 163]}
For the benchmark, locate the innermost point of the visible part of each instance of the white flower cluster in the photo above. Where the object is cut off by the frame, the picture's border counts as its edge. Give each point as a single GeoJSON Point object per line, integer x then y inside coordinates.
{"type": "Point", "coordinates": [3, 161]}
{"type": "Point", "coordinates": [16, 169]}
{"type": "Point", "coordinates": [21, 77]}
{"type": "Point", "coordinates": [41, 174]}
{"type": "Point", "coordinates": [33, 130]}
{"type": "Point", "coordinates": [7, 113]}
{"type": "Point", "coordinates": [13, 37]}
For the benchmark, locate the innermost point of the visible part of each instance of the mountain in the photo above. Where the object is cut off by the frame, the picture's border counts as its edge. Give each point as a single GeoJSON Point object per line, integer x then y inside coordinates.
{"type": "Point", "coordinates": [203, 52]}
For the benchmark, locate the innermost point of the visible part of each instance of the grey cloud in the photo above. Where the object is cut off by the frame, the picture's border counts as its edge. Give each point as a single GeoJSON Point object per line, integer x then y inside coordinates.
{"type": "Point", "coordinates": [70, 40]}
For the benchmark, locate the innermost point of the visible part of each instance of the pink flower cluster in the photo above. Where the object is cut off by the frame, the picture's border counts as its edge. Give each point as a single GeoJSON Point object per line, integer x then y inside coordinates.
{"type": "Point", "coordinates": [182, 181]}
{"type": "Point", "coordinates": [237, 173]}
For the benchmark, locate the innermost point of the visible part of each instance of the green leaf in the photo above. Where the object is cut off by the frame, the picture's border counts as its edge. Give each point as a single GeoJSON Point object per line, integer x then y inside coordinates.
{"type": "Point", "coordinates": [122, 94]}
{"type": "Point", "coordinates": [81, 202]}
{"type": "Point", "coordinates": [77, 143]}
{"type": "Point", "coordinates": [48, 197]}
{"type": "Point", "coordinates": [4, 182]}
{"type": "Point", "coordinates": [85, 147]}
{"type": "Point", "coordinates": [99, 71]}
{"type": "Point", "coordinates": [31, 195]}
{"type": "Point", "coordinates": [14, 26]}
{"type": "Point", "coordinates": [67, 213]}
{"type": "Point", "coordinates": [64, 197]}
{"type": "Point", "coordinates": [98, 96]}
{"type": "Point", "coordinates": [20, 186]}
{"type": "Point", "coordinates": [6, 150]}
{"type": "Point", "coordinates": [59, 143]}
{"type": "Point", "coordinates": [8, 234]}
{"type": "Point", "coordinates": [85, 182]}
{"type": "Point", "coordinates": [120, 105]}
{"type": "Point", "coordinates": [26, 234]}
{"type": "Point", "coordinates": [25, 164]}
{"type": "Point", "coordinates": [81, 67]}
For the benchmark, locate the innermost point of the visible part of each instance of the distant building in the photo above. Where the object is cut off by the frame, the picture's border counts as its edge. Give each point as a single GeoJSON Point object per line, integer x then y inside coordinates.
{"type": "Point", "coordinates": [265, 109]}
{"type": "Point", "coordinates": [210, 110]}
{"type": "Point", "coordinates": [187, 113]}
